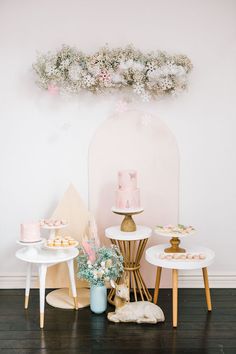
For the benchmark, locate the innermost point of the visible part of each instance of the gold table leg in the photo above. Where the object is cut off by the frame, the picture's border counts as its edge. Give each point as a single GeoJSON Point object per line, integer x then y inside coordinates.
{"type": "Point", "coordinates": [41, 319]}
{"type": "Point", "coordinates": [207, 290]}
{"type": "Point", "coordinates": [157, 285]}
{"type": "Point", "coordinates": [26, 301]}
{"type": "Point", "coordinates": [76, 302]}
{"type": "Point", "coordinates": [175, 296]}
{"type": "Point", "coordinates": [132, 255]}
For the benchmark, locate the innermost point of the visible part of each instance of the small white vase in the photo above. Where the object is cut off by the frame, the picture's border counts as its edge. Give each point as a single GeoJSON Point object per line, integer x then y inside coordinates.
{"type": "Point", "coordinates": [98, 298]}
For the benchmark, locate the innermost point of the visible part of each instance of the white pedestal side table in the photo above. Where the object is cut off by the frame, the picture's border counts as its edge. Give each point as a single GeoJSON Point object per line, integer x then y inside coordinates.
{"type": "Point", "coordinates": [131, 245]}
{"type": "Point", "coordinates": [153, 257]}
{"type": "Point", "coordinates": [43, 259]}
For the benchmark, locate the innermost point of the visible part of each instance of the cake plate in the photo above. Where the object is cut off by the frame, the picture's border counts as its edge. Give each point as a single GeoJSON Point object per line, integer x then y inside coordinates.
{"type": "Point", "coordinates": [128, 224]}
{"type": "Point", "coordinates": [174, 240]}
{"type": "Point", "coordinates": [53, 229]}
{"type": "Point", "coordinates": [31, 248]}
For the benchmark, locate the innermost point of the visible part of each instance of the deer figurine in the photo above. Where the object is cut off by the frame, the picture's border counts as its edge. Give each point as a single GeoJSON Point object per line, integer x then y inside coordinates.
{"type": "Point", "coordinates": [139, 311]}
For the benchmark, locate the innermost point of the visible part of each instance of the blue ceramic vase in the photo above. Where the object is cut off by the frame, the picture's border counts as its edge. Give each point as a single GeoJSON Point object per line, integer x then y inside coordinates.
{"type": "Point", "coordinates": [98, 298]}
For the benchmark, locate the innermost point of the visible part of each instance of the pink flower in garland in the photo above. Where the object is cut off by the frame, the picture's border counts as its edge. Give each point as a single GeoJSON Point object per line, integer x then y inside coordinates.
{"type": "Point", "coordinates": [105, 77]}
{"type": "Point", "coordinates": [53, 89]}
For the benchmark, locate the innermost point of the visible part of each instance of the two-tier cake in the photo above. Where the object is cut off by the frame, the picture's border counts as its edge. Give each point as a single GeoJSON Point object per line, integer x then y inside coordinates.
{"type": "Point", "coordinates": [127, 195]}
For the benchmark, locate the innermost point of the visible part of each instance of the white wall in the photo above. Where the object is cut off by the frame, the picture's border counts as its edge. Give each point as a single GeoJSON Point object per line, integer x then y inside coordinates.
{"type": "Point", "coordinates": [44, 140]}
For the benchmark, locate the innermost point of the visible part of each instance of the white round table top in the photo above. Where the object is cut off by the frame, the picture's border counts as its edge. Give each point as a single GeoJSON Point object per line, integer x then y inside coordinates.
{"type": "Point", "coordinates": [152, 256]}
{"type": "Point", "coordinates": [141, 233]}
{"type": "Point", "coordinates": [41, 255]}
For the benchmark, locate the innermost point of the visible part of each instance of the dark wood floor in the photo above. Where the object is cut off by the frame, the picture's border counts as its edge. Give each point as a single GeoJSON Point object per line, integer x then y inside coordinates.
{"type": "Point", "coordinates": [84, 332]}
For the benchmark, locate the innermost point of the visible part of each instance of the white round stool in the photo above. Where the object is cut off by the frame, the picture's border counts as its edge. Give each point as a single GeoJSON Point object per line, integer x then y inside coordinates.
{"type": "Point", "coordinates": [153, 257]}
{"type": "Point", "coordinates": [43, 259]}
{"type": "Point", "coordinates": [131, 245]}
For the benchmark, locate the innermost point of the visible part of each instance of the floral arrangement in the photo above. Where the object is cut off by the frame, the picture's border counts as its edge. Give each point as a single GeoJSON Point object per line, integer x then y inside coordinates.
{"type": "Point", "coordinates": [98, 266]}
{"type": "Point", "coordinates": [149, 75]}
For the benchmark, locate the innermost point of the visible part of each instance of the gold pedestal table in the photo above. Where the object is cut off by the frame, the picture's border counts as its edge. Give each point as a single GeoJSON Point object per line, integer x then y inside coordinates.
{"type": "Point", "coordinates": [132, 246]}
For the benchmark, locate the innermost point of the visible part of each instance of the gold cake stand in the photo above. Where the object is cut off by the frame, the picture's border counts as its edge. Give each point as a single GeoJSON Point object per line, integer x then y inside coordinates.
{"type": "Point", "coordinates": [128, 224]}
{"type": "Point", "coordinates": [174, 241]}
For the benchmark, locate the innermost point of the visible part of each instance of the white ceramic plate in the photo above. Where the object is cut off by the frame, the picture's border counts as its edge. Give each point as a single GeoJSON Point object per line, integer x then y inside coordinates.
{"type": "Point", "coordinates": [53, 248]}
{"type": "Point", "coordinates": [53, 227]}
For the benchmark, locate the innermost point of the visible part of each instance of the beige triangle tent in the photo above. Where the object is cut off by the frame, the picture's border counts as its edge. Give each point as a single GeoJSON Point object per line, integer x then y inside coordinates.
{"type": "Point", "coordinates": [71, 208]}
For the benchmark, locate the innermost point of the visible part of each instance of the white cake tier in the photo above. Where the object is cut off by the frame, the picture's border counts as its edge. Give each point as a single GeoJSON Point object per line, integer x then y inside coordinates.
{"type": "Point", "coordinates": [127, 180]}
{"type": "Point", "coordinates": [128, 199]}
{"type": "Point", "coordinates": [30, 232]}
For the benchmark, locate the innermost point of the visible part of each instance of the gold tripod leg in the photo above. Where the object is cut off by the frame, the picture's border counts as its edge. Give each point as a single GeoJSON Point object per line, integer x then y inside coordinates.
{"type": "Point", "coordinates": [157, 285]}
{"type": "Point", "coordinates": [207, 290]}
{"type": "Point", "coordinates": [42, 320]}
{"type": "Point", "coordinates": [26, 301]}
{"type": "Point", "coordinates": [76, 302]}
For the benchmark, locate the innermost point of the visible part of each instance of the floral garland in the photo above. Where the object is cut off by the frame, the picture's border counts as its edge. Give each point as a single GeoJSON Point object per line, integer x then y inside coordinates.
{"type": "Point", "coordinates": [148, 75]}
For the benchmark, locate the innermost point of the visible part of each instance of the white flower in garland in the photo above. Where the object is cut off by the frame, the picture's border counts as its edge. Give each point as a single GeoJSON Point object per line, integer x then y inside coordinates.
{"type": "Point", "coordinates": [154, 74]}
{"type": "Point", "coordinates": [74, 72]}
{"type": "Point", "coordinates": [180, 71]}
{"type": "Point", "coordinates": [165, 83]}
{"type": "Point", "coordinates": [138, 88]}
{"type": "Point", "coordinates": [138, 66]}
{"type": "Point", "coordinates": [145, 96]}
{"type": "Point", "coordinates": [125, 65]}
{"type": "Point", "coordinates": [50, 69]}
{"type": "Point", "coordinates": [88, 80]}
{"type": "Point", "coordinates": [151, 67]}
{"type": "Point", "coordinates": [65, 63]}
{"type": "Point", "coordinates": [116, 78]}
{"type": "Point", "coordinates": [94, 70]}
{"type": "Point", "coordinates": [147, 75]}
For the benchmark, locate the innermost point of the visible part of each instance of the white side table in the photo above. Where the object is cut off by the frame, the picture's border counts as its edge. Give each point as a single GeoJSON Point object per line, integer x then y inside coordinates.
{"type": "Point", "coordinates": [153, 256]}
{"type": "Point", "coordinates": [131, 245]}
{"type": "Point", "coordinates": [43, 259]}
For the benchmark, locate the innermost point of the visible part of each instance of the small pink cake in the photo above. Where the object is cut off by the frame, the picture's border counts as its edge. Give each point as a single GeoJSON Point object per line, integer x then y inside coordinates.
{"type": "Point", "coordinates": [127, 195]}
{"type": "Point", "coordinates": [30, 232]}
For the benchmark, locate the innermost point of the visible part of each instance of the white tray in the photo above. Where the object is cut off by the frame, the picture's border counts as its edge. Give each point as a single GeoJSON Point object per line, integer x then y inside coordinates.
{"type": "Point", "coordinates": [173, 234]}
{"type": "Point", "coordinates": [56, 248]}
{"type": "Point", "coordinates": [181, 259]}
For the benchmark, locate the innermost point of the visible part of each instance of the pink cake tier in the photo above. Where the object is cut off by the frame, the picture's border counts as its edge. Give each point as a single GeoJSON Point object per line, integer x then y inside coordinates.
{"type": "Point", "coordinates": [127, 180]}
{"type": "Point", "coordinates": [30, 232]}
{"type": "Point", "coordinates": [127, 195]}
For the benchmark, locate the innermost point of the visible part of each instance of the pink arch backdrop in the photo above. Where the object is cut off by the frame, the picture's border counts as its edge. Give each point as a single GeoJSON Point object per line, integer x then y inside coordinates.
{"type": "Point", "coordinates": [140, 141]}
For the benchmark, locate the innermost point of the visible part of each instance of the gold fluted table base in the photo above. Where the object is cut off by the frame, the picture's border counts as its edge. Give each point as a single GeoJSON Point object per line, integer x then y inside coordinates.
{"type": "Point", "coordinates": [132, 252]}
